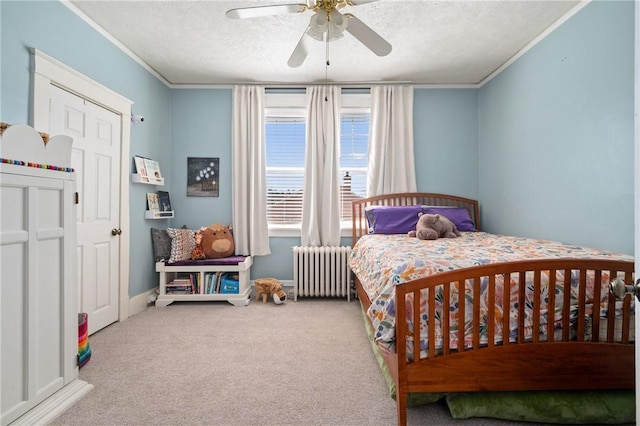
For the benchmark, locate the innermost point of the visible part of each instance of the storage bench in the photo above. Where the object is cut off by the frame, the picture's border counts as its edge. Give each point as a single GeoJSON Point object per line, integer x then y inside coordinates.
{"type": "Point", "coordinates": [200, 269]}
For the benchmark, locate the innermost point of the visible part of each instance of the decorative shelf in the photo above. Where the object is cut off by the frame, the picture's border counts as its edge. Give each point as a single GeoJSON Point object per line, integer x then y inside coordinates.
{"type": "Point", "coordinates": [136, 178]}
{"type": "Point", "coordinates": [149, 214]}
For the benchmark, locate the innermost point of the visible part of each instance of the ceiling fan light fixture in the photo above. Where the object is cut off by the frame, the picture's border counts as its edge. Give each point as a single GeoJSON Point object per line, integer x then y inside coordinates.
{"type": "Point", "coordinates": [337, 25]}
{"type": "Point", "coordinates": [337, 20]}
{"type": "Point", "coordinates": [318, 25]}
{"type": "Point", "coordinates": [332, 23]}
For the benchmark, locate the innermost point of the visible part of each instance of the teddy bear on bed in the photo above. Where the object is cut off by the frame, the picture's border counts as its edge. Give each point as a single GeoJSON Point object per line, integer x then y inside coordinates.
{"type": "Point", "coordinates": [434, 226]}
{"type": "Point", "coordinates": [217, 241]}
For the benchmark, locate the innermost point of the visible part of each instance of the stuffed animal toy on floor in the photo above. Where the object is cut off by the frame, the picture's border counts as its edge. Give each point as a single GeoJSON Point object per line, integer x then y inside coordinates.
{"type": "Point", "coordinates": [277, 293]}
{"type": "Point", "coordinates": [434, 226]}
{"type": "Point", "coordinates": [270, 287]}
{"type": "Point", "coordinates": [217, 241]}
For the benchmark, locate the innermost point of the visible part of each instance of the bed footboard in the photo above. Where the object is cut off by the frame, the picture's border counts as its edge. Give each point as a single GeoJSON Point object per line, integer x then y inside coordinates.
{"type": "Point", "coordinates": [585, 344]}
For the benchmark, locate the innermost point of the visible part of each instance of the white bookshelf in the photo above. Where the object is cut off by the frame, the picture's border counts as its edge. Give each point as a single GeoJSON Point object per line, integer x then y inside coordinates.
{"type": "Point", "coordinates": [156, 214]}
{"type": "Point", "coordinates": [137, 178]}
{"type": "Point", "coordinates": [169, 272]}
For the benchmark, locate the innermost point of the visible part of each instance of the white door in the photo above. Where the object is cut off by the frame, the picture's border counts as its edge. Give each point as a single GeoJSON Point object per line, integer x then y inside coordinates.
{"type": "Point", "coordinates": [96, 159]}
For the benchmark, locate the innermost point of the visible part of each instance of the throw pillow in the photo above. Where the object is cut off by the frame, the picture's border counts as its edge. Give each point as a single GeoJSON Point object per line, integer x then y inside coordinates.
{"type": "Point", "coordinates": [458, 215]}
{"type": "Point", "coordinates": [392, 219]}
{"type": "Point", "coordinates": [182, 244]}
{"type": "Point", "coordinates": [161, 243]}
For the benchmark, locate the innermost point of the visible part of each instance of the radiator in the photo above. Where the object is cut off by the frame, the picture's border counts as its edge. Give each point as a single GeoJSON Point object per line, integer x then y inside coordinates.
{"type": "Point", "coordinates": [321, 272]}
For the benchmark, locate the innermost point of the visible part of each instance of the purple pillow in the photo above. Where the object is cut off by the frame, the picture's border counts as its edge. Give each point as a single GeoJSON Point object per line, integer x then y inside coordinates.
{"type": "Point", "coordinates": [392, 219]}
{"type": "Point", "coordinates": [458, 215]}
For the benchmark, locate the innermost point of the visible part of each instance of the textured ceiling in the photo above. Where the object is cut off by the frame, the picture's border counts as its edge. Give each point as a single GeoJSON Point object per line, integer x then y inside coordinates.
{"type": "Point", "coordinates": [434, 42]}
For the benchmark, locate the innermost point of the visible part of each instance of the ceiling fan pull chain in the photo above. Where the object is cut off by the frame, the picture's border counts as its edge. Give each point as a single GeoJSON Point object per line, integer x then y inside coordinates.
{"type": "Point", "coordinates": [326, 67]}
{"type": "Point", "coordinates": [327, 44]}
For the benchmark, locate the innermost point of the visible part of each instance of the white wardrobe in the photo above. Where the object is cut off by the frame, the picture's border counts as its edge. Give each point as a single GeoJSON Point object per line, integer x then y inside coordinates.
{"type": "Point", "coordinates": [38, 288]}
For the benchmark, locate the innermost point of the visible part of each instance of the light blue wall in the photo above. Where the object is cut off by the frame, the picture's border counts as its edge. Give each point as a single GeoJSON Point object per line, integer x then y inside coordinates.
{"type": "Point", "coordinates": [201, 128]}
{"type": "Point", "coordinates": [52, 28]}
{"type": "Point", "coordinates": [445, 138]}
{"type": "Point", "coordinates": [556, 135]}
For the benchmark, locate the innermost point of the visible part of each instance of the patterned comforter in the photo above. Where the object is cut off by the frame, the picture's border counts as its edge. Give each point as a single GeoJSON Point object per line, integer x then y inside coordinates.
{"type": "Point", "coordinates": [383, 261]}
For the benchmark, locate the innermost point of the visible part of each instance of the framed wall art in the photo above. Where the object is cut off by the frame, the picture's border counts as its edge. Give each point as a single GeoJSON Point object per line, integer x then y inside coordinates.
{"type": "Point", "coordinates": [203, 178]}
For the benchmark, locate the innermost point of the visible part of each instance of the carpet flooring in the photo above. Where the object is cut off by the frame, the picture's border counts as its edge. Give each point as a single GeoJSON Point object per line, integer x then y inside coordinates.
{"type": "Point", "coordinates": [209, 363]}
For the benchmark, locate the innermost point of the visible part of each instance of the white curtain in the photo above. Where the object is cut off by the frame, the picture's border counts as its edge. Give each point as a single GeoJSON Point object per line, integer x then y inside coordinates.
{"type": "Point", "coordinates": [321, 203]}
{"type": "Point", "coordinates": [249, 187]}
{"type": "Point", "coordinates": [391, 158]}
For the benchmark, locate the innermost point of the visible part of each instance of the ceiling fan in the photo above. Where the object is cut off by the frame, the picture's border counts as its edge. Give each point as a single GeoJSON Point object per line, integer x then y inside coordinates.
{"type": "Point", "coordinates": [327, 24]}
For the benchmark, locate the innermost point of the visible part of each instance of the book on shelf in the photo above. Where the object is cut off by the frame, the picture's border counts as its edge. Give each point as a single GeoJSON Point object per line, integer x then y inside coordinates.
{"type": "Point", "coordinates": [141, 168]}
{"type": "Point", "coordinates": [176, 284]}
{"type": "Point", "coordinates": [181, 285]}
{"type": "Point", "coordinates": [210, 280]}
{"type": "Point", "coordinates": [218, 280]}
{"type": "Point", "coordinates": [165, 202]}
{"type": "Point", "coordinates": [153, 202]}
{"type": "Point", "coordinates": [178, 291]}
{"type": "Point", "coordinates": [195, 283]}
{"type": "Point", "coordinates": [153, 170]}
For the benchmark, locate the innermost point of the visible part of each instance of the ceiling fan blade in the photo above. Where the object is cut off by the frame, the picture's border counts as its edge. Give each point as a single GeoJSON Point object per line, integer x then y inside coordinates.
{"type": "Point", "coordinates": [276, 9]}
{"type": "Point", "coordinates": [300, 52]}
{"type": "Point", "coordinates": [367, 36]}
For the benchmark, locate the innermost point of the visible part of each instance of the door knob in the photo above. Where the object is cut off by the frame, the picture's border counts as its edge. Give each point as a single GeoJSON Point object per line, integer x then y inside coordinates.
{"type": "Point", "coordinates": [115, 231]}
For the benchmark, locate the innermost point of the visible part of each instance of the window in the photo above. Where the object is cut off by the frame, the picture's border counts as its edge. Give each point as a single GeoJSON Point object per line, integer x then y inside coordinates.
{"type": "Point", "coordinates": [354, 145]}
{"type": "Point", "coordinates": [285, 140]}
{"type": "Point", "coordinates": [285, 131]}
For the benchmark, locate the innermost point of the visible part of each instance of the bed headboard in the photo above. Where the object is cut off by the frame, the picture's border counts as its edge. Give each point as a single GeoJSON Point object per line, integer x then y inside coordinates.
{"type": "Point", "coordinates": [360, 226]}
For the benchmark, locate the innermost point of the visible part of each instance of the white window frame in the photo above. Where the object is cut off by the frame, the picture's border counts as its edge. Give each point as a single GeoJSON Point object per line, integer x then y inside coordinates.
{"type": "Point", "coordinates": [294, 105]}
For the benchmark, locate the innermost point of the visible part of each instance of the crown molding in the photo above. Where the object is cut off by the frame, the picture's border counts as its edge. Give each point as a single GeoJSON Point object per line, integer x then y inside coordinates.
{"type": "Point", "coordinates": [115, 41]}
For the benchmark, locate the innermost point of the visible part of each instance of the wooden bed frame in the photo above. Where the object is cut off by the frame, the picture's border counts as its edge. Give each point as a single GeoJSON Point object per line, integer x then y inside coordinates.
{"type": "Point", "coordinates": [561, 364]}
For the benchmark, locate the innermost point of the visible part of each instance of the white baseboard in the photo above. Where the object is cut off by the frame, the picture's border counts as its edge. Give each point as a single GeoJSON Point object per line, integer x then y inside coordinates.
{"type": "Point", "coordinates": [284, 283]}
{"type": "Point", "coordinates": [138, 303]}
{"type": "Point", "coordinates": [55, 405]}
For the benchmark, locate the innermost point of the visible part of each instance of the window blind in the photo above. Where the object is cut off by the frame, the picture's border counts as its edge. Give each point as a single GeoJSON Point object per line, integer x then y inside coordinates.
{"type": "Point", "coordinates": [285, 150]}
{"type": "Point", "coordinates": [285, 144]}
{"type": "Point", "coordinates": [354, 160]}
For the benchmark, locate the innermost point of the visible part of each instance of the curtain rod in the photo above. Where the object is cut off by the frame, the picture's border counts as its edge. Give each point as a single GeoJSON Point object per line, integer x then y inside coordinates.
{"type": "Point", "coordinates": [345, 85]}
{"type": "Point", "coordinates": [349, 85]}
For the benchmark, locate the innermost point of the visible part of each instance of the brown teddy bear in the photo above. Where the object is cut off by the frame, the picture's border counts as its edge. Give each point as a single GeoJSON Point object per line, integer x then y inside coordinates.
{"type": "Point", "coordinates": [217, 241]}
{"type": "Point", "coordinates": [434, 226]}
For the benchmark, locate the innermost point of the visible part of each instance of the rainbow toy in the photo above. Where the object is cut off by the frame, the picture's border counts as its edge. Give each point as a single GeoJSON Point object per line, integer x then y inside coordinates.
{"type": "Point", "coordinates": [84, 351]}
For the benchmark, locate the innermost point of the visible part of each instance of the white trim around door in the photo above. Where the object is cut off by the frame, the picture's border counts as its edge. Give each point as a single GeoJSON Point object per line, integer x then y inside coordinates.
{"type": "Point", "coordinates": [46, 72]}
